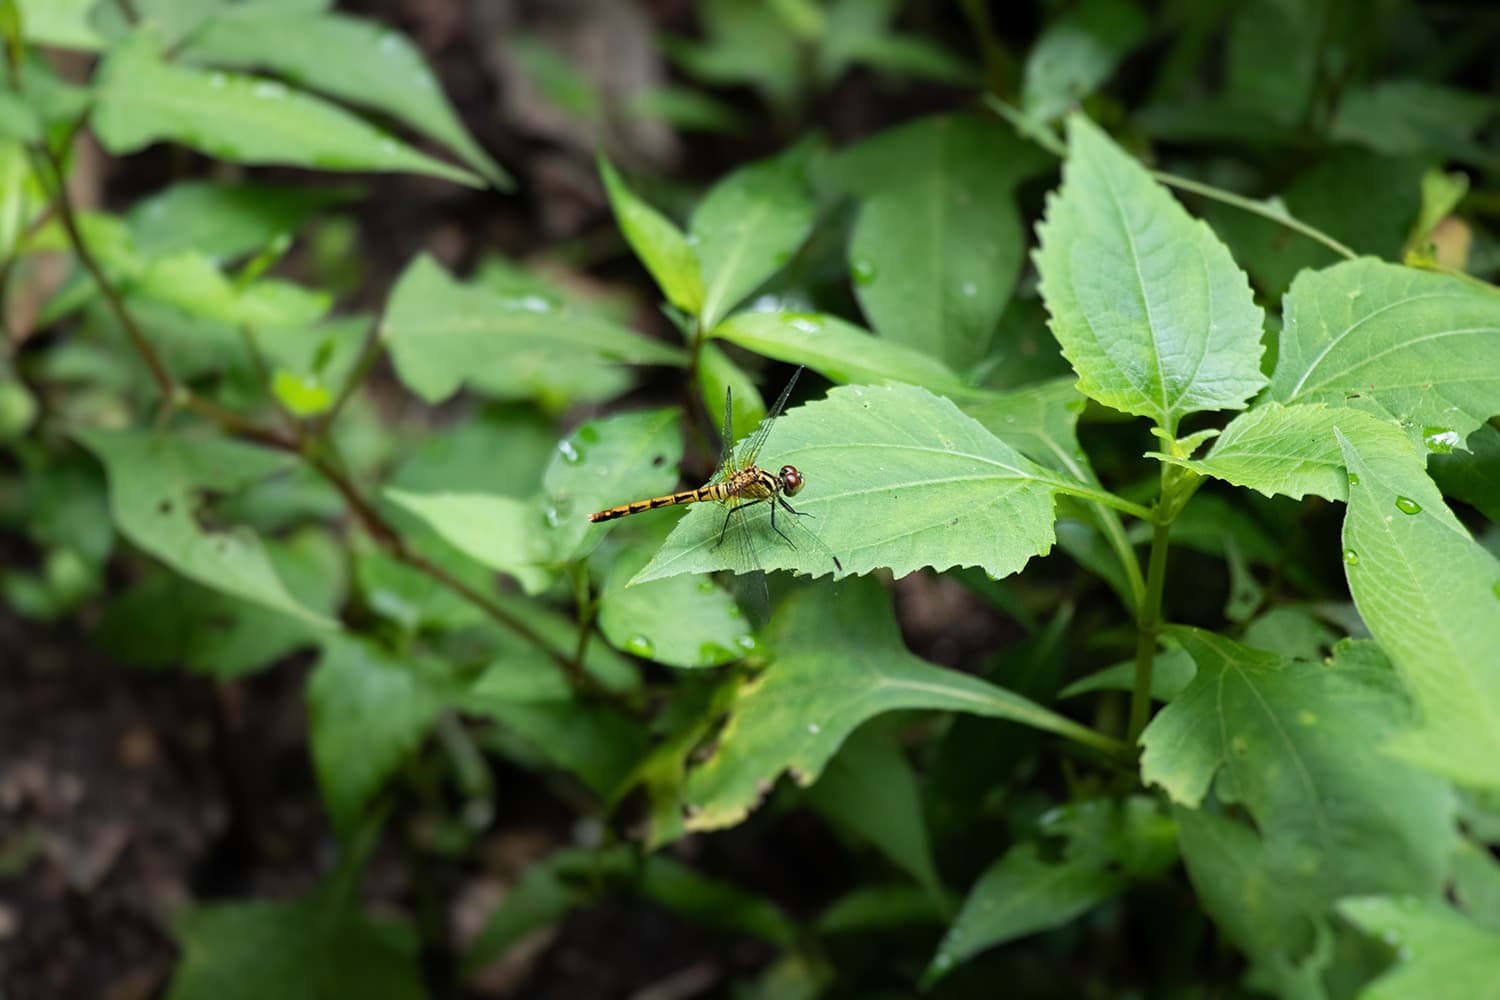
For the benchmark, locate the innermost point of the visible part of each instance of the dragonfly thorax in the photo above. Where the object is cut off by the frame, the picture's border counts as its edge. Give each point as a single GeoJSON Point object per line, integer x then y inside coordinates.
{"type": "Point", "coordinates": [791, 480]}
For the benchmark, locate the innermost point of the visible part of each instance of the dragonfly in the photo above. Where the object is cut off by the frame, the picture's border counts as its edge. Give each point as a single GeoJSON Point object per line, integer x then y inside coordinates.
{"type": "Point", "coordinates": [738, 484]}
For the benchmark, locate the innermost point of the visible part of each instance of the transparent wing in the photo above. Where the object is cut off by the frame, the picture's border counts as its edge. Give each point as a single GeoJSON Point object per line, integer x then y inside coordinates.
{"type": "Point", "coordinates": [726, 440]}
{"type": "Point", "coordinates": [751, 448]}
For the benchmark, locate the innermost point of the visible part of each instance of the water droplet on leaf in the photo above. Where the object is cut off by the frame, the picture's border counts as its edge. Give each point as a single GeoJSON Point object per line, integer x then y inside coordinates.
{"type": "Point", "coordinates": [863, 271]}
{"type": "Point", "coordinates": [1406, 505]}
{"type": "Point", "coordinates": [640, 645]}
{"type": "Point", "coordinates": [1351, 557]}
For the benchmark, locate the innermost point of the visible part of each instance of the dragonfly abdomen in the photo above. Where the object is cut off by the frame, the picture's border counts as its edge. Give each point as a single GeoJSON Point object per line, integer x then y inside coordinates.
{"type": "Point", "coordinates": [751, 483]}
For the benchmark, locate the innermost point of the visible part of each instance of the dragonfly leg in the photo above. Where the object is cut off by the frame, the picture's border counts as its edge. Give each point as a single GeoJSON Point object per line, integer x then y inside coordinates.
{"type": "Point", "coordinates": [737, 507]}
{"type": "Point", "coordinates": [778, 530]}
{"type": "Point", "coordinates": [794, 510]}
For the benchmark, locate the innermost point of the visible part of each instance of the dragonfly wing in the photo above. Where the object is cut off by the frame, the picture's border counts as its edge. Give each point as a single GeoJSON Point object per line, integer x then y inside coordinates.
{"type": "Point", "coordinates": [751, 450]}
{"type": "Point", "coordinates": [726, 439]}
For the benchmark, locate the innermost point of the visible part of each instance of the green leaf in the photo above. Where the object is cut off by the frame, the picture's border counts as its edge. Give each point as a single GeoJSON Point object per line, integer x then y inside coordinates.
{"type": "Point", "coordinates": [556, 79]}
{"type": "Point", "coordinates": [718, 374]}
{"type": "Point", "coordinates": [605, 463]}
{"type": "Point", "coordinates": [367, 711]}
{"type": "Point", "coordinates": [1019, 895]}
{"type": "Point", "coordinates": [1258, 900]}
{"type": "Point", "coordinates": [747, 227]}
{"type": "Point", "coordinates": [1472, 476]}
{"type": "Point", "coordinates": [938, 243]}
{"type": "Point", "coordinates": [351, 59]}
{"type": "Point", "coordinates": [895, 477]}
{"type": "Point", "coordinates": [746, 43]}
{"type": "Point", "coordinates": [222, 221]}
{"type": "Point", "coordinates": [840, 660]}
{"type": "Point", "coordinates": [1431, 596]}
{"type": "Point", "coordinates": [870, 789]}
{"type": "Point", "coordinates": [1365, 201]}
{"type": "Point", "coordinates": [1041, 422]}
{"type": "Point", "coordinates": [311, 949]}
{"type": "Point", "coordinates": [1077, 53]}
{"type": "Point", "coordinates": [1420, 347]}
{"type": "Point", "coordinates": [837, 349]}
{"type": "Point", "coordinates": [169, 621]}
{"type": "Point", "coordinates": [1147, 304]}
{"type": "Point", "coordinates": [684, 621]}
{"type": "Point", "coordinates": [1476, 883]}
{"type": "Point", "coordinates": [659, 244]}
{"type": "Point", "coordinates": [1289, 450]}
{"type": "Point", "coordinates": [159, 487]}
{"type": "Point", "coordinates": [545, 723]}
{"type": "Point", "coordinates": [241, 118]}
{"type": "Point", "coordinates": [443, 334]}
{"type": "Point", "coordinates": [1172, 672]}
{"type": "Point", "coordinates": [1440, 953]}
{"type": "Point", "coordinates": [1290, 742]}
{"type": "Point", "coordinates": [505, 533]}
{"type": "Point", "coordinates": [60, 23]}
{"type": "Point", "coordinates": [1399, 117]}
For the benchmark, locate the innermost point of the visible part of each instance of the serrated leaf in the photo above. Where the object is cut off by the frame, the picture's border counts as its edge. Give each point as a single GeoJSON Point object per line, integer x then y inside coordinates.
{"type": "Point", "coordinates": [938, 242]}
{"type": "Point", "coordinates": [1439, 952]}
{"type": "Point", "coordinates": [837, 349]}
{"type": "Point", "coordinates": [747, 227]}
{"type": "Point", "coordinates": [1147, 304]}
{"type": "Point", "coordinates": [310, 949]}
{"type": "Point", "coordinates": [1041, 422]}
{"type": "Point", "coordinates": [443, 334]}
{"type": "Point", "coordinates": [1420, 347]}
{"type": "Point", "coordinates": [355, 60]}
{"type": "Point", "coordinates": [1431, 596]}
{"type": "Point", "coordinates": [241, 118]}
{"type": "Point", "coordinates": [1019, 895]}
{"type": "Point", "coordinates": [367, 711]}
{"type": "Point", "coordinates": [1290, 450]}
{"type": "Point", "coordinates": [840, 661]}
{"type": "Point", "coordinates": [1290, 741]}
{"type": "Point", "coordinates": [895, 477]}
{"type": "Point", "coordinates": [158, 485]}
{"type": "Point", "coordinates": [657, 241]}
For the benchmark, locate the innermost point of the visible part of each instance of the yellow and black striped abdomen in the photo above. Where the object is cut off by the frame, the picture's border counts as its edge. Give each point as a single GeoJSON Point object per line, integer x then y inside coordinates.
{"type": "Point", "coordinates": [746, 484]}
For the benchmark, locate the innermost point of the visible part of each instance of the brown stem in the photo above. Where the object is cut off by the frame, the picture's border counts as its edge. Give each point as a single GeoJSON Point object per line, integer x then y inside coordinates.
{"type": "Point", "coordinates": [386, 536]}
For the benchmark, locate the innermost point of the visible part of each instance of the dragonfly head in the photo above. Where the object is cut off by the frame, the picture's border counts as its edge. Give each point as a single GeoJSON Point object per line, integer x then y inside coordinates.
{"type": "Point", "coordinates": [791, 480]}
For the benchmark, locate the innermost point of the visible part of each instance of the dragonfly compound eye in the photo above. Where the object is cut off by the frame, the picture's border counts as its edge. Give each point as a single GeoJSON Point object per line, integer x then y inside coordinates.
{"type": "Point", "coordinates": [791, 480]}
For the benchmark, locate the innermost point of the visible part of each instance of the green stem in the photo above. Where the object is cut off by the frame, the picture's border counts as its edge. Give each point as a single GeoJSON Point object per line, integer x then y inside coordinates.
{"type": "Point", "coordinates": [1037, 132]}
{"type": "Point", "coordinates": [1255, 207]}
{"type": "Point", "coordinates": [1148, 622]}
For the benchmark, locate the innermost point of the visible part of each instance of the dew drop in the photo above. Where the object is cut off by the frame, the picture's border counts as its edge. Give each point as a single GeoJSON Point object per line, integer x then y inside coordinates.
{"type": "Point", "coordinates": [781, 258]}
{"type": "Point", "coordinates": [863, 270]}
{"type": "Point", "coordinates": [534, 303]}
{"type": "Point", "coordinates": [1496, 588]}
{"type": "Point", "coordinates": [552, 516]}
{"type": "Point", "coordinates": [268, 90]}
{"type": "Point", "coordinates": [805, 324]}
{"type": "Point", "coordinates": [1353, 479]}
{"type": "Point", "coordinates": [1406, 505]}
{"type": "Point", "coordinates": [640, 645]}
{"type": "Point", "coordinates": [969, 289]}
{"type": "Point", "coordinates": [570, 454]}
{"type": "Point", "coordinates": [1351, 557]}
{"type": "Point", "coordinates": [814, 728]}
{"type": "Point", "coordinates": [1307, 718]}
{"type": "Point", "coordinates": [712, 652]}
{"type": "Point", "coordinates": [747, 643]}
{"type": "Point", "coordinates": [217, 80]}
{"type": "Point", "coordinates": [1440, 440]}
{"type": "Point", "coordinates": [706, 586]}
